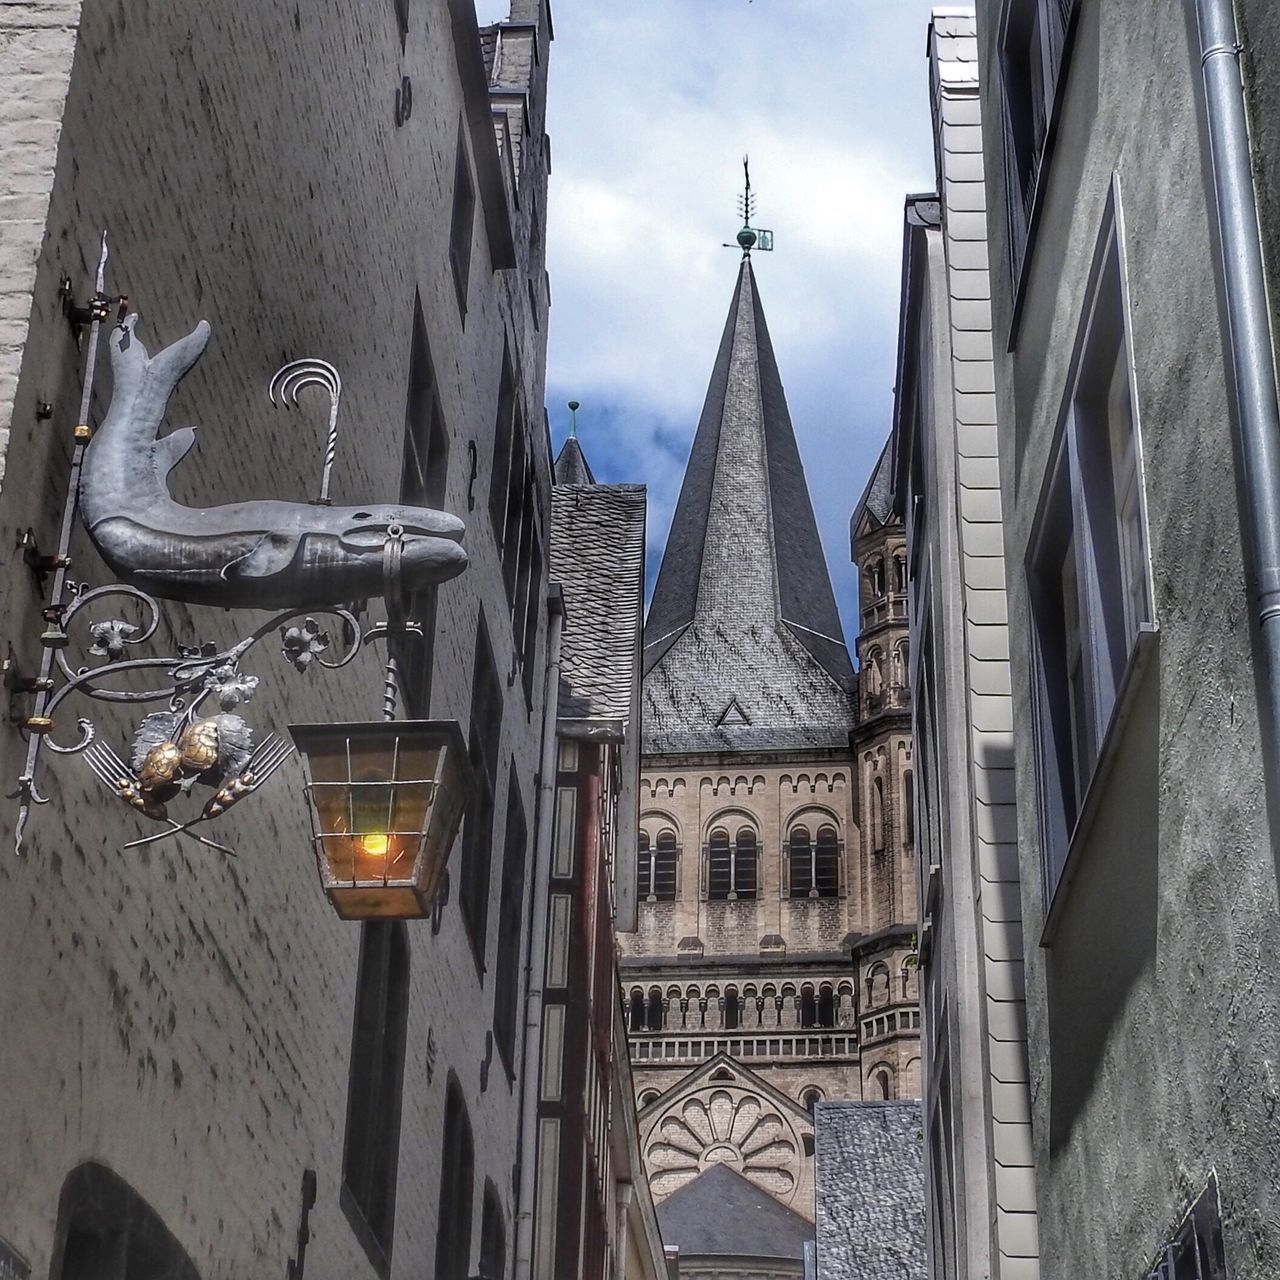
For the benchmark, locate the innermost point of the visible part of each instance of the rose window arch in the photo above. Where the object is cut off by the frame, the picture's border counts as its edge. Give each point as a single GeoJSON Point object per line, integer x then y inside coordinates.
{"type": "Point", "coordinates": [723, 1126]}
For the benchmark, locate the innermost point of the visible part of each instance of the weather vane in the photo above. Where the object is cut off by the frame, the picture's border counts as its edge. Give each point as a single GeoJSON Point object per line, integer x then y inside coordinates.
{"type": "Point", "coordinates": [750, 237]}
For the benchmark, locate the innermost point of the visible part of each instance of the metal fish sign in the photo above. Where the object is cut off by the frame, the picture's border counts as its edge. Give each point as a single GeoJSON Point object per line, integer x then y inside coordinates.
{"type": "Point", "coordinates": [263, 555]}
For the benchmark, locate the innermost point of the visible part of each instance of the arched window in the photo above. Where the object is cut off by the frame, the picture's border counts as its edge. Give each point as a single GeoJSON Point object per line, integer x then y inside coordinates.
{"type": "Point", "coordinates": [644, 869]}
{"type": "Point", "coordinates": [811, 1099]}
{"type": "Point", "coordinates": [732, 1010]}
{"type": "Point", "coordinates": [808, 1008]}
{"type": "Point", "coordinates": [731, 868]}
{"type": "Point", "coordinates": [653, 1021]}
{"type": "Point", "coordinates": [875, 578]}
{"type": "Point", "coordinates": [656, 868]}
{"type": "Point", "coordinates": [904, 664]}
{"type": "Point", "coordinates": [883, 1085]}
{"type": "Point", "coordinates": [826, 1008]}
{"type": "Point", "coordinates": [636, 1011]}
{"type": "Point", "coordinates": [875, 672]}
{"type": "Point", "coordinates": [826, 863]}
{"type": "Point", "coordinates": [457, 1164]}
{"type": "Point", "coordinates": [899, 573]}
{"type": "Point", "coordinates": [664, 867]}
{"type": "Point", "coordinates": [801, 877]}
{"type": "Point", "coordinates": [493, 1236]}
{"type": "Point", "coordinates": [647, 1097]}
{"type": "Point", "coordinates": [877, 815]}
{"type": "Point", "coordinates": [814, 866]}
{"type": "Point", "coordinates": [908, 808]}
{"type": "Point", "coordinates": [877, 984]}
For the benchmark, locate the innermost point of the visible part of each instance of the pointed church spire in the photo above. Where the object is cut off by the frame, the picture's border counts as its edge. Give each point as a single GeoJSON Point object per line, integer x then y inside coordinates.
{"type": "Point", "coordinates": [571, 465]}
{"type": "Point", "coordinates": [743, 601]}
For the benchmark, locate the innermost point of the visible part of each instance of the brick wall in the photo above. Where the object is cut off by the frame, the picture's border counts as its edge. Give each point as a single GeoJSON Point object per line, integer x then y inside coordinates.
{"type": "Point", "coordinates": [183, 1017]}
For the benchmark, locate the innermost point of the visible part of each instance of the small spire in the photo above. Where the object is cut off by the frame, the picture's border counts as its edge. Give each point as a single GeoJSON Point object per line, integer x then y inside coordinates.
{"type": "Point", "coordinates": [574, 406]}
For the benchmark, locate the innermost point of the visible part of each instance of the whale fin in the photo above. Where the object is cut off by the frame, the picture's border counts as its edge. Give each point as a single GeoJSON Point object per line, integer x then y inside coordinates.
{"type": "Point", "coordinates": [271, 554]}
{"type": "Point", "coordinates": [171, 449]}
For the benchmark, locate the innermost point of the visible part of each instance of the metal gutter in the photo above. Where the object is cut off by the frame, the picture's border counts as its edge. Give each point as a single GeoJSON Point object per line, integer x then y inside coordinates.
{"type": "Point", "coordinates": [1257, 416]}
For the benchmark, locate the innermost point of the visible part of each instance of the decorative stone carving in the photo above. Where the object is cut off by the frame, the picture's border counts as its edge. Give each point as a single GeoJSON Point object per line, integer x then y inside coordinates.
{"type": "Point", "coordinates": [724, 1125]}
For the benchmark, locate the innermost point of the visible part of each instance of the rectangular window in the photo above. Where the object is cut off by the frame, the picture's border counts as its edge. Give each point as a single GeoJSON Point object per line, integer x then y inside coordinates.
{"type": "Point", "coordinates": [371, 1153]}
{"type": "Point", "coordinates": [532, 615]}
{"type": "Point", "coordinates": [510, 922]}
{"type": "Point", "coordinates": [1032, 46]}
{"type": "Point", "coordinates": [457, 1174]}
{"type": "Point", "coordinates": [423, 484]}
{"type": "Point", "coordinates": [477, 840]}
{"type": "Point", "coordinates": [1087, 566]}
{"type": "Point", "coordinates": [503, 435]}
{"type": "Point", "coordinates": [462, 226]}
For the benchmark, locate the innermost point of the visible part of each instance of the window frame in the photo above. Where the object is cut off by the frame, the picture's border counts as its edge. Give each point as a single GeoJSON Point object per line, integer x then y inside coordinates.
{"type": "Point", "coordinates": [483, 745]}
{"type": "Point", "coordinates": [515, 875]}
{"type": "Point", "coordinates": [454, 1221]}
{"type": "Point", "coordinates": [424, 478]}
{"type": "Point", "coordinates": [375, 1088]}
{"type": "Point", "coordinates": [462, 222]}
{"type": "Point", "coordinates": [1055, 57]}
{"type": "Point", "coordinates": [650, 875]}
{"type": "Point", "coordinates": [733, 890]}
{"type": "Point", "coordinates": [1077, 529]}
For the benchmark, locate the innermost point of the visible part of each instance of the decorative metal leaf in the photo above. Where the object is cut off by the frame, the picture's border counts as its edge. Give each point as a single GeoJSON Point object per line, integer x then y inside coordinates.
{"type": "Point", "coordinates": [157, 728]}
{"type": "Point", "coordinates": [110, 638]}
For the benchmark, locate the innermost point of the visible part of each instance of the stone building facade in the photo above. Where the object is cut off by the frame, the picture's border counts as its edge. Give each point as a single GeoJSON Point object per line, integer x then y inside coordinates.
{"type": "Point", "coordinates": [181, 1032]}
{"type": "Point", "coordinates": [980, 1183]}
{"type": "Point", "coordinates": [1130, 172]}
{"type": "Point", "coordinates": [772, 966]}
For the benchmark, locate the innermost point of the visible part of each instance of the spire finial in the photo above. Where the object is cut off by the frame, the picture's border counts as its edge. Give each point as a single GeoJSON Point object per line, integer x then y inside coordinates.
{"type": "Point", "coordinates": [574, 406]}
{"type": "Point", "coordinates": [750, 237]}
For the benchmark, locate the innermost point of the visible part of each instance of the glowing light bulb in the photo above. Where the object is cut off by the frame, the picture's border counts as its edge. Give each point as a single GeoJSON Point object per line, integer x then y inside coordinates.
{"type": "Point", "coordinates": [376, 844]}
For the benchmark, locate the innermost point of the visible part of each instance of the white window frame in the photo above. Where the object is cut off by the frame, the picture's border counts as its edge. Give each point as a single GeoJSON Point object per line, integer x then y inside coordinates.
{"type": "Point", "coordinates": [1090, 646]}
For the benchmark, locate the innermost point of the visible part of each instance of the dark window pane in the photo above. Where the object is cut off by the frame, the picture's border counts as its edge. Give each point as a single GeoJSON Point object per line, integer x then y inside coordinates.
{"type": "Point", "coordinates": [510, 922]}
{"type": "Point", "coordinates": [827, 863]}
{"type": "Point", "coordinates": [457, 1172]}
{"type": "Point", "coordinates": [719, 883]}
{"type": "Point", "coordinates": [370, 1156]}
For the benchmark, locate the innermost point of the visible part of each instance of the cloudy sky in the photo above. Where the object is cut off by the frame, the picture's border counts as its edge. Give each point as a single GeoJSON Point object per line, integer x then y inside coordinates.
{"type": "Point", "coordinates": [652, 107]}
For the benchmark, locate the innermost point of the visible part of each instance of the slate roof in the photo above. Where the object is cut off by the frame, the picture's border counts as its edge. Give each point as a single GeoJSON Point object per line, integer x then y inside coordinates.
{"type": "Point", "coordinates": [572, 466]}
{"type": "Point", "coordinates": [743, 610]}
{"type": "Point", "coordinates": [720, 1214]}
{"type": "Point", "coordinates": [597, 557]}
{"type": "Point", "coordinates": [877, 497]}
{"type": "Point", "coordinates": [869, 1193]}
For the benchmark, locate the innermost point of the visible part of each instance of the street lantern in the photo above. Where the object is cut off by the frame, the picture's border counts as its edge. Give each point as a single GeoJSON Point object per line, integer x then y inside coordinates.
{"type": "Point", "coordinates": [386, 799]}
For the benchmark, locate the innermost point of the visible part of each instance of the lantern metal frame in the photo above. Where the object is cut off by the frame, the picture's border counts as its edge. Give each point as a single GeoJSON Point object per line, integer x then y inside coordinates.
{"type": "Point", "coordinates": [419, 851]}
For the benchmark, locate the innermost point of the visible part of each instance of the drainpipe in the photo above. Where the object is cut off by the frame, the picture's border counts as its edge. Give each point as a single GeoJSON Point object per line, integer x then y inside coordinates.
{"type": "Point", "coordinates": [536, 955]}
{"type": "Point", "coordinates": [1257, 417]}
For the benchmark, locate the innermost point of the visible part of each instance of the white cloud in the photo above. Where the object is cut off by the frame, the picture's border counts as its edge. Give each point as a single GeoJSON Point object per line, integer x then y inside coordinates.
{"type": "Point", "coordinates": [652, 106]}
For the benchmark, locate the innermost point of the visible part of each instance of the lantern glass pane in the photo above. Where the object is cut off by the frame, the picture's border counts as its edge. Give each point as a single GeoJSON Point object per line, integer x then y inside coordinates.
{"type": "Point", "coordinates": [386, 800]}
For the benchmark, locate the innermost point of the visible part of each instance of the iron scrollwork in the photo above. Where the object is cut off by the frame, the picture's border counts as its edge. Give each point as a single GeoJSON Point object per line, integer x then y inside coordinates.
{"type": "Point", "coordinates": [186, 743]}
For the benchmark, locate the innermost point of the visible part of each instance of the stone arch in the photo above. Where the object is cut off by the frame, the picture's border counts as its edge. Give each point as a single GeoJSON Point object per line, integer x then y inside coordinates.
{"type": "Point", "coordinates": [878, 984]}
{"type": "Point", "coordinates": [881, 1083]}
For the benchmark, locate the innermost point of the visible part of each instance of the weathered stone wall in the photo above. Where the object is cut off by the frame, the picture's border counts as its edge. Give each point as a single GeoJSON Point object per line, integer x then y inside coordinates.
{"type": "Point", "coordinates": [1153, 1012]}
{"type": "Point", "coordinates": [179, 1016]}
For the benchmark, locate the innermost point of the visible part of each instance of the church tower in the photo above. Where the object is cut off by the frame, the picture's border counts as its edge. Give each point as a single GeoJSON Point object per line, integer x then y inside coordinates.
{"type": "Point", "coordinates": [772, 966]}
